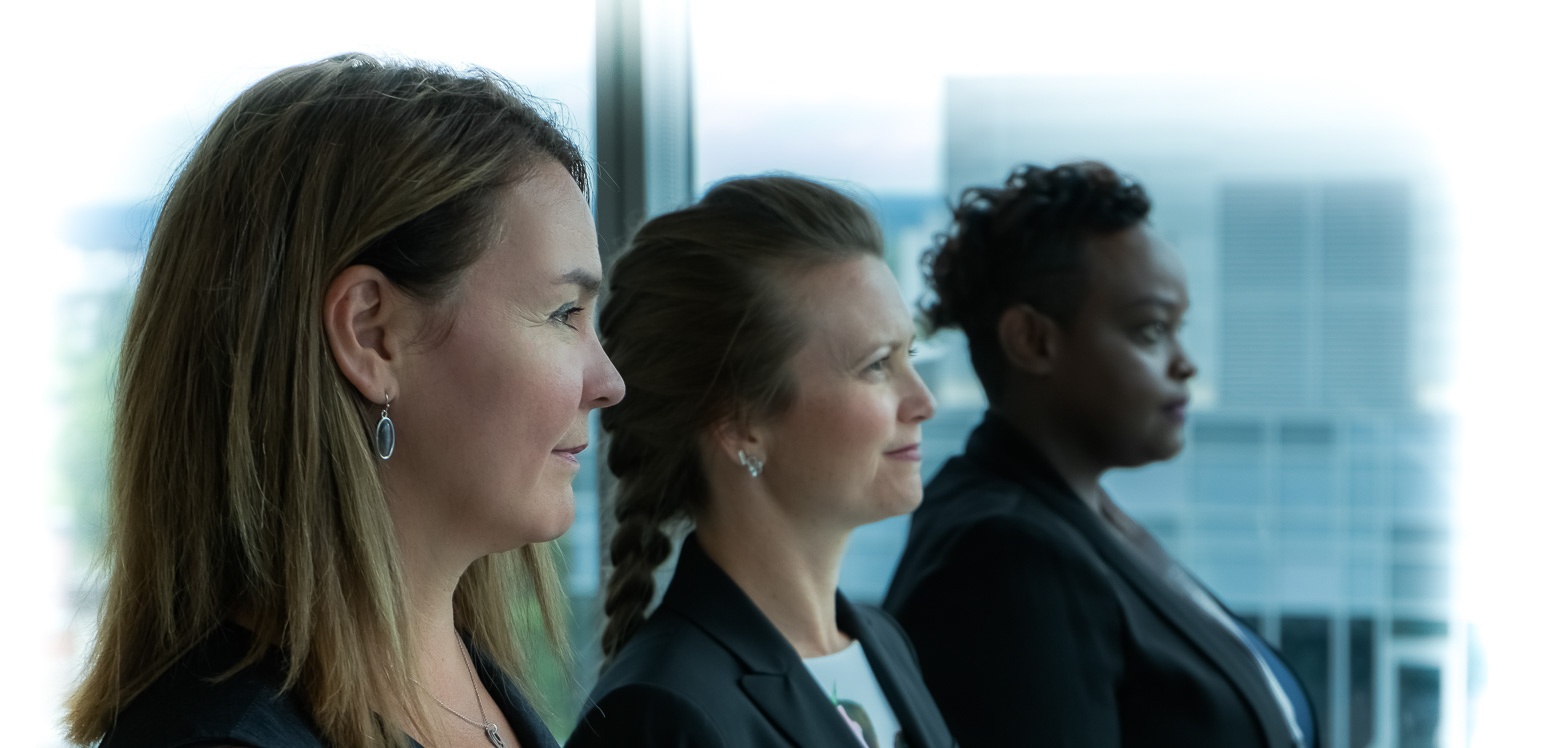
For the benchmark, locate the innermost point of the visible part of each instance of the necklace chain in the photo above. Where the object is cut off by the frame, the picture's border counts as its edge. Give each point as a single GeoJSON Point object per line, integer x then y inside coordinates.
{"type": "Point", "coordinates": [491, 732]}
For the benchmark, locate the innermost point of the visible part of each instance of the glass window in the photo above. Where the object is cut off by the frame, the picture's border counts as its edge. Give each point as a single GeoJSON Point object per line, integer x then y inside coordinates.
{"type": "Point", "coordinates": [1420, 693]}
{"type": "Point", "coordinates": [1361, 689]}
{"type": "Point", "coordinates": [1305, 642]}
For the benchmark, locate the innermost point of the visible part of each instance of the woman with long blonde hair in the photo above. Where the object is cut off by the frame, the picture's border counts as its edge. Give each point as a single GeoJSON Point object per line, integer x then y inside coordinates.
{"type": "Point", "coordinates": [354, 383]}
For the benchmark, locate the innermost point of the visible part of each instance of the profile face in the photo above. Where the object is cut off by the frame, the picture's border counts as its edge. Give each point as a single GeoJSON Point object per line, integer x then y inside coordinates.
{"type": "Point", "coordinates": [492, 417]}
{"type": "Point", "coordinates": [847, 450]}
{"type": "Point", "coordinates": [1122, 373]}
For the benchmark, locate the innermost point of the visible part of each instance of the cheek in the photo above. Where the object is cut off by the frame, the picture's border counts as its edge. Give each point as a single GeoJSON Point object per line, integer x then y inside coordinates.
{"type": "Point", "coordinates": [1127, 371]}
{"type": "Point", "coordinates": [515, 395]}
{"type": "Point", "coordinates": [859, 421]}
{"type": "Point", "coordinates": [1106, 388]}
{"type": "Point", "coordinates": [843, 435]}
{"type": "Point", "coordinates": [542, 394]}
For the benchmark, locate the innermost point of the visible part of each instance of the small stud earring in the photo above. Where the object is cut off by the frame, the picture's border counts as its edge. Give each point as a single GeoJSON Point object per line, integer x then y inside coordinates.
{"type": "Point", "coordinates": [387, 437]}
{"type": "Point", "coordinates": [754, 464]}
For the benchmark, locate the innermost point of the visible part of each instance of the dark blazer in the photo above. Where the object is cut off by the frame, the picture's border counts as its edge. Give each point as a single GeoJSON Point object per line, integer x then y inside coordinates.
{"type": "Point", "coordinates": [1037, 625]}
{"type": "Point", "coordinates": [186, 707]}
{"type": "Point", "coordinates": [708, 669]}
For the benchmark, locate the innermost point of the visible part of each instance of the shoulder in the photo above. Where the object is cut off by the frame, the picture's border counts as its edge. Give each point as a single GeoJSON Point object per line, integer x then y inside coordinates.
{"type": "Point", "coordinates": [1016, 563]}
{"type": "Point", "coordinates": [645, 714]}
{"type": "Point", "coordinates": [1029, 539]}
{"type": "Point", "coordinates": [671, 653]}
{"type": "Point", "coordinates": [193, 704]}
{"type": "Point", "coordinates": [965, 497]}
{"type": "Point", "coordinates": [665, 685]}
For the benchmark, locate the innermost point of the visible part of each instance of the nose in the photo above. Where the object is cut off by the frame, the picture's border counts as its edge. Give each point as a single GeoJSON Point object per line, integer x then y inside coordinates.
{"type": "Point", "coordinates": [604, 386]}
{"type": "Point", "coordinates": [918, 404]}
{"type": "Point", "coordinates": [1182, 367]}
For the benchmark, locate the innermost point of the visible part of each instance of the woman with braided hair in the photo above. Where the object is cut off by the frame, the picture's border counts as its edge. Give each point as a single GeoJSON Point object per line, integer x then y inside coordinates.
{"type": "Point", "coordinates": [1072, 308]}
{"type": "Point", "coordinates": [773, 407]}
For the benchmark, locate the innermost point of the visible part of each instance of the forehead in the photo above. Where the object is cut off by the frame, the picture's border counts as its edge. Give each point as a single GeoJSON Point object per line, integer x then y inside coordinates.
{"type": "Point", "coordinates": [542, 230]}
{"type": "Point", "coordinates": [1134, 263]}
{"type": "Point", "coordinates": [850, 307]}
{"type": "Point", "coordinates": [547, 210]}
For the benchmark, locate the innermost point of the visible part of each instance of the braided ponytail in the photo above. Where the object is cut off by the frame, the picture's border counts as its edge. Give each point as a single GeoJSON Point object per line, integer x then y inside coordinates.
{"type": "Point", "coordinates": [642, 505]}
{"type": "Point", "coordinates": [697, 324]}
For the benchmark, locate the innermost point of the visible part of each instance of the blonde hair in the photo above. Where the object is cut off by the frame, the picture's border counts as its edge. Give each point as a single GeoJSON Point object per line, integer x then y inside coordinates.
{"type": "Point", "coordinates": [241, 476]}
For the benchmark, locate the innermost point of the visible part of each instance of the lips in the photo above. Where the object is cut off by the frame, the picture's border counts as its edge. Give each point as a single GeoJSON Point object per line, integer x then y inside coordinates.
{"type": "Point", "coordinates": [570, 454]}
{"type": "Point", "coordinates": [1177, 409]}
{"type": "Point", "coordinates": [908, 453]}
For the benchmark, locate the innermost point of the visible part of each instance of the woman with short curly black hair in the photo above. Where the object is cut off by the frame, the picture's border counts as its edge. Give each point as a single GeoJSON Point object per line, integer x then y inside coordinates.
{"type": "Point", "coordinates": [1022, 582]}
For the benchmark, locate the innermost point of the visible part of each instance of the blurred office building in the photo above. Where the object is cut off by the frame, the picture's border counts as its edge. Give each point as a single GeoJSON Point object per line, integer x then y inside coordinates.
{"type": "Point", "coordinates": [1314, 493]}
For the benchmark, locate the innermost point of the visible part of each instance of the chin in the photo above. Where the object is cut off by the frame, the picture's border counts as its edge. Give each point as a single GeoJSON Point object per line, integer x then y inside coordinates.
{"type": "Point", "coordinates": [1162, 450]}
{"type": "Point", "coordinates": [546, 516]}
{"type": "Point", "coordinates": [560, 519]}
{"type": "Point", "coordinates": [900, 503]}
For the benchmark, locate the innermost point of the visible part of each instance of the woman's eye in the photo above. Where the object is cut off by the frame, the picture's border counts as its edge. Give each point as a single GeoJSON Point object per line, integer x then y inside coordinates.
{"type": "Point", "coordinates": [1153, 332]}
{"type": "Point", "coordinates": [564, 314]}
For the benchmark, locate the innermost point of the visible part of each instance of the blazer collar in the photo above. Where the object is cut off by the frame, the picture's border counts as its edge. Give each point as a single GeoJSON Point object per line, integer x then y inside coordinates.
{"type": "Point", "coordinates": [529, 727]}
{"type": "Point", "coordinates": [997, 446]}
{"type": "Point", "coordinates": [776, 680]}
{"type": "Point", "coordinates": [524, 720]}
{"type": "Point", "coordinates": [907, 696]}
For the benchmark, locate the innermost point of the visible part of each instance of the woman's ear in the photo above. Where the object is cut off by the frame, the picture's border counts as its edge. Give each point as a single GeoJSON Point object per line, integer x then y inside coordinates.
{"type": "Point", "coordinates": [1030, 340]}
{"type": "Point", "coordinates": [362, 313]}
{"type": "Point", "coordinates": [733, 435]}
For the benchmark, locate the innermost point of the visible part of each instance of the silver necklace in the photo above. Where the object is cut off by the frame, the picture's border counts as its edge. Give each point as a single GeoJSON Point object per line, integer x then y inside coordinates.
{"type": "Point", "coordinates": [491, 732]}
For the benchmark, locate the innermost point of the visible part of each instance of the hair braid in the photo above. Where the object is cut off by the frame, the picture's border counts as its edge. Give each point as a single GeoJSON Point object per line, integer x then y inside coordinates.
{"type": "Point", "coordinates": [696, 321]}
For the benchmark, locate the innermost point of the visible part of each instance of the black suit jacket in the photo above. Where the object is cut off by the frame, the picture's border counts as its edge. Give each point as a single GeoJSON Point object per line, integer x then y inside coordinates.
{"type": "Point", "coordinates": [188, 706]}
{"type": "Point", "coordinates": [1037, 625]}
{"type": "Point", "coordinates": [707, 669]}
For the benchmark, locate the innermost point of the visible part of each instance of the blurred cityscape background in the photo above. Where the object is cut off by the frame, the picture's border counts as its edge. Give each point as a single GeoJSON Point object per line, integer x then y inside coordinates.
{"type": "Point", "coordinates": [1316, 206]}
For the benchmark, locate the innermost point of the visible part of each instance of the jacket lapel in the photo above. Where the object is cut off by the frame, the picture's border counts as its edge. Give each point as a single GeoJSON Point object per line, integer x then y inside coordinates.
{"type": "Point", "coordinates": [775, 679]}
{"type": "Point", "coordinates": [524, 720]}
{"type": "Point", "coordinates": [997, 446]}
{"type": "Point", "coordinates": [906, 696]}
{"type": "Point", "coordinates": [798, 709]}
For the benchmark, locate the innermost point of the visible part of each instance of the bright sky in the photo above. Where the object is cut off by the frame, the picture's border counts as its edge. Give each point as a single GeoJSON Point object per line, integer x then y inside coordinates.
{"type": "Point", "coordinates": [104, 98]}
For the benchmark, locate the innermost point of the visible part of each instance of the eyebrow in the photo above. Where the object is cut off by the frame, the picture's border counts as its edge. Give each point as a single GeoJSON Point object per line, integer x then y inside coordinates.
{"type": "Point", "coordinates": [896, 344]}
{"type": "Point", "coordinates": [587, 281]}
{"type": "Point", "coordinates": [1155, 301]}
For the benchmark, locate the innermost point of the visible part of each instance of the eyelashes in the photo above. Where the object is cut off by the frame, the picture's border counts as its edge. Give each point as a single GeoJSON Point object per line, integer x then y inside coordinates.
{"type": "Point", "coordinates": [1156, 331]}
{"type": "Point", "coordinates": [564, 314]}
{"type": "Point", "coordinates": [878, 365]}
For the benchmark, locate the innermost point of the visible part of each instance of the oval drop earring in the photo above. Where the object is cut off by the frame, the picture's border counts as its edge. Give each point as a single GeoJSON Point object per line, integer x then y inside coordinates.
{"type": "Point", "coordinates": [386, 437]}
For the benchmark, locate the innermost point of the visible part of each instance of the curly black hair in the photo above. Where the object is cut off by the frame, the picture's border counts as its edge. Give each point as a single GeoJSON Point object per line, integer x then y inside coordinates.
{"type": "Point", "coordinates": [1022, 244]}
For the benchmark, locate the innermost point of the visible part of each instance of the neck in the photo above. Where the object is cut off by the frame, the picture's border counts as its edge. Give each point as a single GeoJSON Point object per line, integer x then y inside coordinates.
{"type": "Point", "coordinates": [790, 571]}
{"type": "Point", "coordinates": [432, 570]}
{"type": "Point", "coordinates": [1045, 434]}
